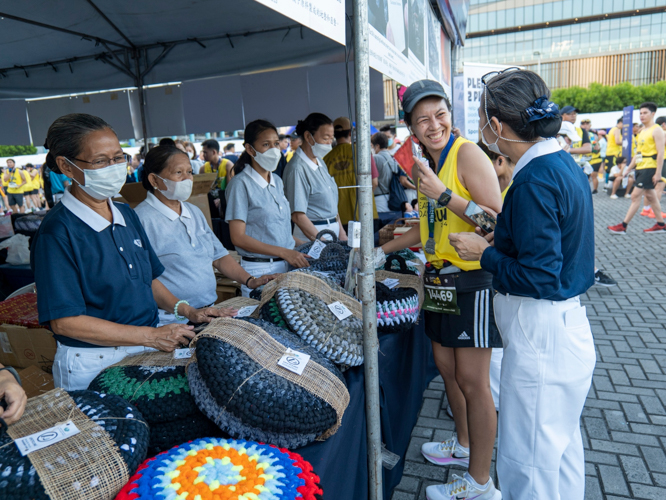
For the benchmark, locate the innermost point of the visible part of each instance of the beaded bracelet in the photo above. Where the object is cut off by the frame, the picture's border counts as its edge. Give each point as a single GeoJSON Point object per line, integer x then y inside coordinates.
{"type": "Point", "coordinates": [175, 309]}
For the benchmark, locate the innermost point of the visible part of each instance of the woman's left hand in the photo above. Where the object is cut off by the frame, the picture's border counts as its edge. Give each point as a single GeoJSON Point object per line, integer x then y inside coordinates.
{"type": "Point", "coordinates": [257, 282]}
{"type": "Point", "coordinates": [208, 314]}
{"type": "Point", "coordinates": [429, 184]}
{"type": "Point", "coordinates": [469, 246]}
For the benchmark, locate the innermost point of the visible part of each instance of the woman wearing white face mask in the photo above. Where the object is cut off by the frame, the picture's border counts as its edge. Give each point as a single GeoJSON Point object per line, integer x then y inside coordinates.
{"type": "Point", "coordinates": [94, 266]}
{"type": "Point", "coordinates": [180, 235]}
{"type": "Point", "coordinates": [257, 211]}
{"type": "Point", "coordinates": [310, 189]}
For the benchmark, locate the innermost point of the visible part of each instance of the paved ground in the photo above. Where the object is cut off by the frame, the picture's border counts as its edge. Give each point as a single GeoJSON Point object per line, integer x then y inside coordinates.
{"type": "Point", "coordinates": [624, 421]}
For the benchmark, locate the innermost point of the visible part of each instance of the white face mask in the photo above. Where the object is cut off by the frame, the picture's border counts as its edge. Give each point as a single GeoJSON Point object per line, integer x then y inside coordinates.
{"type": "Point", "coordinates": [320, 150]}
{"type": "Point", "coordinates": [269, 159]}
{"type": "Point", "coordinates": [494, 147]}
{"type": "Point", "coordinates": [103, 183]}
{"type": "Point", "coordinates": [177, 190]}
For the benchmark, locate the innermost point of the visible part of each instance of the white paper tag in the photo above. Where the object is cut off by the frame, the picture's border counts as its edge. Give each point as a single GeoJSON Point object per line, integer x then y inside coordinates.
{"type": "Point", "coordinates": [4, 342]}
{"type": "Point", "coordinates": [45, 438]}
{"type": "Point", "coordinates": [294, 361]}
{"type": "Point", "coordinates": [184, 353]}
{"type": "Point", "coordinates": [323, 273]}
{"type": "Point", "coordinates": [340, 310]}
{"type": "Point", "coordinates": [246, 311]}
{"type": "Point", "coordinates": [391, 283]}
{"type": "Point", "coordinates": [316, 248]}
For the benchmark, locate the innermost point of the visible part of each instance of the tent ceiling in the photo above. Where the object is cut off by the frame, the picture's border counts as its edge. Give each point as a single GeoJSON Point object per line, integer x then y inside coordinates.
{"type": "Point", "coordinates": [259, 38]}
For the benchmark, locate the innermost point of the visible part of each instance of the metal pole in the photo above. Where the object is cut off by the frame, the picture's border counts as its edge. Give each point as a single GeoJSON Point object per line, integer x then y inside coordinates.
{"type": "Point", "coordinates": [142, 102]}
{"type": "Point", "coordinates": [366, 276]}
{"type": "Point", "coordinates": [396, 108]}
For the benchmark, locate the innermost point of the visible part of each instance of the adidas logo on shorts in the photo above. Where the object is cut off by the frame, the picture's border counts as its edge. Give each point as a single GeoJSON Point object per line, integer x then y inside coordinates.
{"type": "Point", "coordinates": [463, 336]}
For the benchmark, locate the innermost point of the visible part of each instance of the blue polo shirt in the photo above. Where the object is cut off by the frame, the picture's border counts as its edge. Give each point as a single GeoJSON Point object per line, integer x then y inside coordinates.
{"type": "Point", "coordinates": [544, 238]}
{"type": "Point", "coordinates": [85, 265]}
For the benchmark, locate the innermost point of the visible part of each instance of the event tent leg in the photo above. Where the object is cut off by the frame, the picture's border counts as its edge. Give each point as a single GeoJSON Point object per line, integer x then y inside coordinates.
{"type": "Point", "coordinates": [366, 277]}
{"type": "Point", "coordinates": [138, 77]}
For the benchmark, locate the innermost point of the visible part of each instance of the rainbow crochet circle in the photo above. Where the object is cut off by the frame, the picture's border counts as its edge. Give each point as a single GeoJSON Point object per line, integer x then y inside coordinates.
{"type": "Point", "coordinates": [221, 469]}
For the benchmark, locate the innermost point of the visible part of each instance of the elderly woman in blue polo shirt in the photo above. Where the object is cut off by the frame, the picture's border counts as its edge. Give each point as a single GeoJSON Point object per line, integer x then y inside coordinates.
{"type": "Point", "coordinates": [542, 261]}
{"type": "Point", "coordinates": [95, 269]}
{"type": "Point", "coordinates": [180, 235]}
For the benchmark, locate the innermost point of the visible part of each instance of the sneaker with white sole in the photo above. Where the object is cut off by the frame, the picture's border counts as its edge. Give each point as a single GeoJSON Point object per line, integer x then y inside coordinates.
{"type": "Point", "coordinates": [613, 197]}
{"type": "Point", "coordinates": [460, 488]}
{"type": "Point", "coordinates": [447, 452]}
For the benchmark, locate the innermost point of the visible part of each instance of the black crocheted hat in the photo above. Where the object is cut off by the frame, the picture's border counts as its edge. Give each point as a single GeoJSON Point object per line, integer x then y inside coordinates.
{"type": "Point", "coordinates": [195, 426]}
{"type": "Point", "coordinates": [271, 312]}
{"type": "Point", "coordinates": [251, 402]}
{"type": "Point", "coordinates": [18, 477]}
{"type": "Point", "coordinates": [397, 309]}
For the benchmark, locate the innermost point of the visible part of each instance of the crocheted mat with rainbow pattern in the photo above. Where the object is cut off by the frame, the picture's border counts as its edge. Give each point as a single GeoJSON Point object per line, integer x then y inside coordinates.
{"type": "Point", "coordinates": [221, 469]}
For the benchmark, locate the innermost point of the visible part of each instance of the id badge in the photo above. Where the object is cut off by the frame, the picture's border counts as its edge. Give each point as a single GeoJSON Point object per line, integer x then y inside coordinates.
{"type": "Point", "coordinates": [440, 294]}
{"type": "Point", "coordinates": [639, 158]}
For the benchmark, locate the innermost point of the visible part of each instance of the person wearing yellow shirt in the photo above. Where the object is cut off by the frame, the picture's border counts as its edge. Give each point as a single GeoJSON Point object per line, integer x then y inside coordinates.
{"type": "Point", "coordinates": [614, 148]}
{"type": "Point", "coordinates": [215, 162]}
{"type": "Point", "coordinates": [31, 190]}
{"type": "Point", "coordinates": [294, 143]}
{"type": "Point", "coordinates": [16, 181]}
{"type": "Point", "coordinates": [648, 162]}
{"type": "Point", "coordinates": [659, 188]}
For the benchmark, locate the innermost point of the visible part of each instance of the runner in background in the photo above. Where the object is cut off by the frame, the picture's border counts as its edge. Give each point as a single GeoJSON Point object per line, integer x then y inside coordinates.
{"type": "Point", "coordinates": [614, 148]}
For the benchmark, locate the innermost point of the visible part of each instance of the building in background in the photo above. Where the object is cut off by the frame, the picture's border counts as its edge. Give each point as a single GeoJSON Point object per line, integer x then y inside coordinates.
{"type": "Point", "coordinates": [570, 42]}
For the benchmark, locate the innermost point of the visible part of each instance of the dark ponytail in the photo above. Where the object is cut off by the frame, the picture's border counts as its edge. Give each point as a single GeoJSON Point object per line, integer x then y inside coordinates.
{"type": "Point", "coordinates": [312, 123]}
{"type": "Point", "coordinates": [252, 132]}
{"type": "Point", "coordinates": [66, 134]}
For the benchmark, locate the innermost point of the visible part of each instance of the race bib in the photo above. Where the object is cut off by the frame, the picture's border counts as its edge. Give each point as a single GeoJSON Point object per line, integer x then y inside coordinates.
{"type": "Point", "coordinates": [440, 294]}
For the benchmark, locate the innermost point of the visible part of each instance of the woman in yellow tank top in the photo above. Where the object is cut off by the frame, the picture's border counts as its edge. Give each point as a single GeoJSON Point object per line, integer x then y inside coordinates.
{"type": "Point", "coordinates": [458, 307]}
{"type": "Point", "coordinates": [31, 190]}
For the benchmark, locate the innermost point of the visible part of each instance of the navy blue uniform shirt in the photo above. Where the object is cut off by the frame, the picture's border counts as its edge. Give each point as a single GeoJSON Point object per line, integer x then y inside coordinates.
{"type": "Point", "coordinates": [85, 265]}
{"type": "Point", "coordinates": [544, 238]}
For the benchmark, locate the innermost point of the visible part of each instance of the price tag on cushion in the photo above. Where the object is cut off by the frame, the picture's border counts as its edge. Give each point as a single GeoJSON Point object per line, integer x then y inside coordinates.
{"type": "Point", "coordinates": [294, 361]}
{"type": "Point", "coordinates": [391, 283]}
{"type": "Point", "coordinates": [47, 437]}
{"type": "Point", "coordinates": [316, 248]}
{"type": "Point", "coordinates": [339, 310]}
{"type": "Point", "coordinates": [184, 353]}
{"type": "Point", "coordinates": [245, 311]}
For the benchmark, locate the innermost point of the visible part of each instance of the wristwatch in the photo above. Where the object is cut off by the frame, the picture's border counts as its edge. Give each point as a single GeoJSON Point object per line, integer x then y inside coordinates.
{"type": "Point", "coordinates": [13, 372]}
{"type": "Point", "coordinates": [444, 198]}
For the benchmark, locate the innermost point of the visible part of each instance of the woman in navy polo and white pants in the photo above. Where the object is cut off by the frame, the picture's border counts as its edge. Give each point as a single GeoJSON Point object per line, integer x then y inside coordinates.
{"type": "Point", "coordinates": [541, 261]}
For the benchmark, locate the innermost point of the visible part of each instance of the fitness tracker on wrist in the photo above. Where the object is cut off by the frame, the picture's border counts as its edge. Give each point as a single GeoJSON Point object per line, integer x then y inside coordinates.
{"type": "Point", "coordinates": [444, 198]}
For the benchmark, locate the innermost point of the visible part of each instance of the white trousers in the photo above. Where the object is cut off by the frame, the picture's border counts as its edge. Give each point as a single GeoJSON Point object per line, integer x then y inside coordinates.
{"type": "Point", "coordinates": [75, 367]}
{"type": "Point", "coordinates": [259, 269]}
{"type": "Point", "coordinates": [495, 373]}
{"type": "Point", "coordinates": [546, 374]}
{"type": "Point", "coordinates": [335, 227]}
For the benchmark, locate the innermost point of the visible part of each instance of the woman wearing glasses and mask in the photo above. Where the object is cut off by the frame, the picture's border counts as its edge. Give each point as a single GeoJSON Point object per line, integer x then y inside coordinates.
{"type": "Point", "coordinates": [310, 189]}
{"type": "Point", "coordinates": [257, 210]}
{"type": "Point", "coordinates": [458, 308]}
{"type": "Point", "coordinates": [541, 256]}
{"type": "Point", "coordinates": [94, 267]}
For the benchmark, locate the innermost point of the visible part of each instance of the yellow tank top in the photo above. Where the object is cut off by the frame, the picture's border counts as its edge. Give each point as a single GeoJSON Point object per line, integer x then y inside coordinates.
{"type": "Point", "coordinates": [16, 178]}
{"type": "Point", "coordinates": [613, 148]}
{"type": "Point", "coordinates": [647, 148]}
{"type": "Point", "coordinates": [446, 222]}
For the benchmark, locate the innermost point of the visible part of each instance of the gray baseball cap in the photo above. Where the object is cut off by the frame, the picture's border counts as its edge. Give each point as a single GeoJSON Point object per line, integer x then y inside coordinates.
{"type": "Point", "coordinates": [420, 90]}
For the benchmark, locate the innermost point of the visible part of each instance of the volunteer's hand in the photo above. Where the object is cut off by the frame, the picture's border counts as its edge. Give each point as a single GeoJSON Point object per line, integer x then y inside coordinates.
{"type": "Point", "coordinates": [208, 314]}
{"type": "Point", "coordinates": [657, 177]}
{"type": "Point", "coordinates": [490, 237]}
{"type": "Point", "coordinates": [296, 259]}
{"type": "Point", "coordinates": [14, 396]}
{"type": "Point", "coordinates": [429, 183]}
{"type": "Point", "coordinates": [169, 337]}
{"type": "Point", "coordinates": [469, 246]}
{"type": "Point", "coordinates": [257, 282]}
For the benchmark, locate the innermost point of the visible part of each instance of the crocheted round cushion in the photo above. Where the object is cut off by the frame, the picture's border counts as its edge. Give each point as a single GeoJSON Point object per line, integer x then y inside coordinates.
{"type": "Point", "coordinates": [166, 435]}
{"type": "Point", "coordinates": [268, 407]}
{"type": "Point", "coordinates": [271, 312]}
{"type": "Point", "coordinates": [216, 469]}
{"type": "Point", "coordinates": [18, 477]}
{"type": "Point", "coordinates": [160, 392]}
{"type": "Point", "coordinates": [311, 319]}
{"type": "Point", "coordinates": [397, 308]}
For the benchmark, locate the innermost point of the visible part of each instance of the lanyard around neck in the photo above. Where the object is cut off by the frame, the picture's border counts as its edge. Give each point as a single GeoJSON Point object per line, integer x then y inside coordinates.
{"type": "Point", "coordinates": [431, 203]}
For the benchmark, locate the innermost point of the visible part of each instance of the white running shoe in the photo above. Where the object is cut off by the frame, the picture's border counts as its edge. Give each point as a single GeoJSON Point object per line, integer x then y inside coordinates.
{"type": "Point", "coordinates": [460, 488]}
{"type": "Point", "coordinates": [447, 452]}
{"type": "Point", "coordinates": [613, 197]}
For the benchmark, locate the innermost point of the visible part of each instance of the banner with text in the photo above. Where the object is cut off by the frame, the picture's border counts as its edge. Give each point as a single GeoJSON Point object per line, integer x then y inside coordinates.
{"type": "Point", "coordinates": [627, 133]}
{"type": "Point", "coordinates": [326, 17]}
{"type": "Point", "coordinates": [407, 42]}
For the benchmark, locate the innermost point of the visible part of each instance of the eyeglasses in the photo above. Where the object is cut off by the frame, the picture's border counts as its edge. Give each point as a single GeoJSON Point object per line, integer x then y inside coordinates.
{"type": "Point", "coordinates": [489, 76]}
{"type": "Point", "coordinates": [105, 162]}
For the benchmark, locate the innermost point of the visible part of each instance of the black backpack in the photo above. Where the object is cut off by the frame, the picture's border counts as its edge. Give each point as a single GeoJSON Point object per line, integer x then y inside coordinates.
{"type": "Point", "coordinates": [397, 196]}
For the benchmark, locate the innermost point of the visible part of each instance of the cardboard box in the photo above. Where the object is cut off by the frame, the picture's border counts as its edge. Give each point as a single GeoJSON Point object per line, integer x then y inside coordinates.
{"type": "Point", "coordinates": [35, 381]}
{"type": "Point", "coordinates": [135, 193]}
{"type": "Point", "coordinates": [22, 347]}
{"type": "Point", "coordinates": [227, 289]}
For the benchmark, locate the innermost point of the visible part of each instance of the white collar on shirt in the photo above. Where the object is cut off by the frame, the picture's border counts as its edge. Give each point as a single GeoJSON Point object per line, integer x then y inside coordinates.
{"type": "Point", "coordinates": [154, 202]}
{"type": "Point", "coordinates": [256, 177]}
{"type": "Point", "coordinates": [308, 161]}
{"type": "Point", "coordinates": [539, 149]}
{"type": "Point", "coordinates": [88, 215]}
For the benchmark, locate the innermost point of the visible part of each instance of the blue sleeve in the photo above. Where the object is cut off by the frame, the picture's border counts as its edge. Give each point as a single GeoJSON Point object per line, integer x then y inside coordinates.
{"type": "Point", "coordinates": [533, 225]}
{"type": "Point", "coordinates": [58, 279]}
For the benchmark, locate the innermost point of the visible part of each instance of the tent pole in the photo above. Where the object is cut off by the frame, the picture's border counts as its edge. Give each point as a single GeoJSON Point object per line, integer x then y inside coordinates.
{"type": "Point", "coordinates": [366, 276]}
{"type": "Point", "coordinates": [396, 108]}
{"type": "Point", "coordinates": [142, 102]}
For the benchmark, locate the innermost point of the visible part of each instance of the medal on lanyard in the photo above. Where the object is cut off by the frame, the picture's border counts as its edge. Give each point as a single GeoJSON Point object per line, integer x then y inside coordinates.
{"type": "Point", "coordinates": [430, 244]}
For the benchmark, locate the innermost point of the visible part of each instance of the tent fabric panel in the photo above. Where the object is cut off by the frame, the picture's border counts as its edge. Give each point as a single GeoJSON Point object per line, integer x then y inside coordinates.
{"type": "Point", "coordinates": [14, 126]}
{"type": "Point", "coordinates": [164, 111]}
{"type": "Point", "coordinates": [213, 104]}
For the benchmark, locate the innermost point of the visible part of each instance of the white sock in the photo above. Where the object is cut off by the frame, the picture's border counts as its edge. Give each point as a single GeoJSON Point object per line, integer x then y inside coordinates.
{"type": "Point", "coordinates": [476, 485]}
